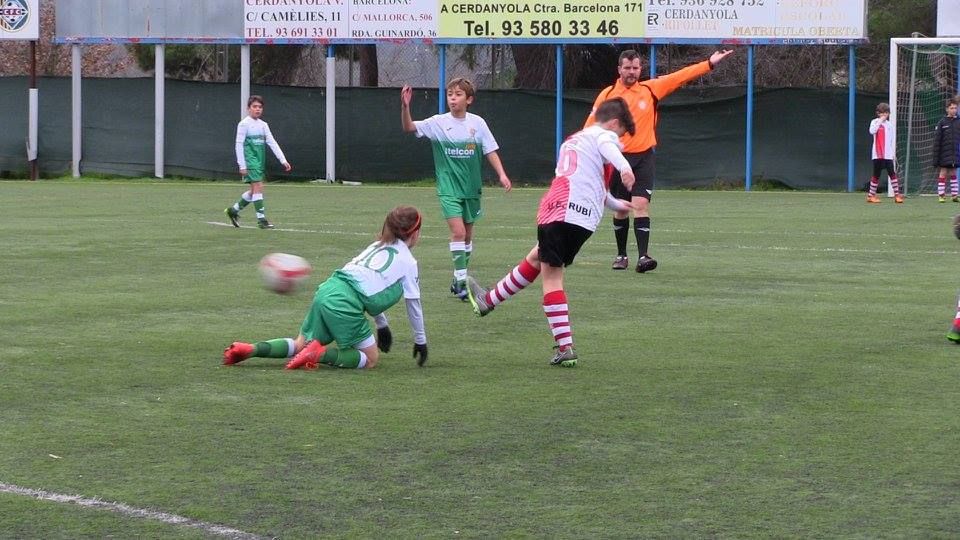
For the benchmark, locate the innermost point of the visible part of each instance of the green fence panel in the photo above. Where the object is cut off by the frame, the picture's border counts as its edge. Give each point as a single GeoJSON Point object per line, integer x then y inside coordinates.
{"type": "Point", "coordinates": [800, 135]}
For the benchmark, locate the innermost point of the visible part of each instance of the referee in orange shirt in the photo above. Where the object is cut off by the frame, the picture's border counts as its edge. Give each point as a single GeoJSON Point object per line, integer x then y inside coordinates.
{"type": "Point", "coordinates": [642, 98]}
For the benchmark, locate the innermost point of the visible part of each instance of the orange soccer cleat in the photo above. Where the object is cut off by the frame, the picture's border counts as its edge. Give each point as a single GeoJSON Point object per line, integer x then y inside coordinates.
{"type": "Point", "coordinates": [898, 199]}
{"type": "Point", "coordinates": [308, 357]}
{"type": "Point", "coordinates": [873, 199]}
{"type": "Point", "coordinates": [237, 352]}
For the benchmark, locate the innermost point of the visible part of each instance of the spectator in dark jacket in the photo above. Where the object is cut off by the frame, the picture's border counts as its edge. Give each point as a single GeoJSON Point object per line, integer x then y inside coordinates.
{"type": "Point", "coordinates": [946, 151]}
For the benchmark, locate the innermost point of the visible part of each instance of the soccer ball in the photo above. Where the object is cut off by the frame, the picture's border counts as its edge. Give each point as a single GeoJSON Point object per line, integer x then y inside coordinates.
{"type": "Point", "coordinates": [283, 273]}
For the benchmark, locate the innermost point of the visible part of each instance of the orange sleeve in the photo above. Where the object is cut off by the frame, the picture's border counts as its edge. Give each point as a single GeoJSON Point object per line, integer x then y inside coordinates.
{"type": "Point", "coordinates": [664, 85]}
{"type": "Point", "coordinates": [604, 94]}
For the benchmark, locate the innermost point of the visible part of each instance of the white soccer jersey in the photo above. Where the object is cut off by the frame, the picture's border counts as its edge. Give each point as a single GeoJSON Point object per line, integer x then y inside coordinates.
{"type": "Point", "coordinates": [252, 135]}
{"type": "Point", "coordinates": [382, 274]}
{"type": "Point", "coordinates": [578, 191]}
{"type": "Point", "coordinates": [884, 139]}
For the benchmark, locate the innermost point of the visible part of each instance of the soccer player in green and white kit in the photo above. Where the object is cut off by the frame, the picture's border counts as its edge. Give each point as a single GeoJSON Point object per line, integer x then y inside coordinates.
{"type": "Point", "coordinates": [373, 281]}
{"type": "Point", "coordinates": [253, 136]}
{"type": "Point", "coordinates": [459, 140]}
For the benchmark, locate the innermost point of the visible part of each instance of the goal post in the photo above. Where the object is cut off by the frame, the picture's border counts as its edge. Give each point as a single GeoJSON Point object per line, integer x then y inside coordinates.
{"type": "Point", "coordinates": [923, 76]}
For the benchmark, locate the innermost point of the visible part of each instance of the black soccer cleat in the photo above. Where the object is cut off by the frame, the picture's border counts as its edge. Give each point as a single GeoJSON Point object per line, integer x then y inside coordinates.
{"type": "Point", "coordinates": [459, 289]}
{"type": "Point", "coordinates": [646, 264]}
{"type": "Point", "coordinates": [233, 215]}
{"type": "Point", "coordinates": [264, 224]}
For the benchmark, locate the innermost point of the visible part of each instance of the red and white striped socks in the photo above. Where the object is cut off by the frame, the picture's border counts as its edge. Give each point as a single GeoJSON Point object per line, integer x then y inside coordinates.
{"type": "Point", "coordinates": [515, 281]}
{"type": "Point", "coordinates": [894, 183]}
{"type": "Point", "coordinates": [956, 318]}
{"type": "Point", "coordinates": [942, 186]}
{"type": "Point", "coordinates": [558, 317]}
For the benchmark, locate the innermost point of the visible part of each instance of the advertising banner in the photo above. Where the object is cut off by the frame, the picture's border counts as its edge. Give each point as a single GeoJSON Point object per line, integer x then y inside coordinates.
{"type": "Point", "coordinates": [553, 21]}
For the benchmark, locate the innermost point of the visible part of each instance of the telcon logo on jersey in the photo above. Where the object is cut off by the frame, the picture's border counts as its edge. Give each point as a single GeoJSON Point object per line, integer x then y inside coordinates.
{"type": "Point", "coordinates": [466, 152]}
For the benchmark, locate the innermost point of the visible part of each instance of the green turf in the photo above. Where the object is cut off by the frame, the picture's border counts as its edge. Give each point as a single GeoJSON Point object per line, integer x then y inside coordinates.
{"type": "Point", "coordinates": [783, 373]}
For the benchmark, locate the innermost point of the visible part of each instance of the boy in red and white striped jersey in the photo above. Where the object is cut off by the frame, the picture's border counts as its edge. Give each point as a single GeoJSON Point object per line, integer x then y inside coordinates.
{"type": "Point", "coordinates": [882, 152]}
{"type": "Point", "coordinates": [569, 213]}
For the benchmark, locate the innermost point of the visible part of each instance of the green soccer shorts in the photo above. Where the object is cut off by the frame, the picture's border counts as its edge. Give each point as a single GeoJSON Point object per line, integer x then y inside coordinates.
{"type": "Point", "coordinates": [456, 207]}
{"type": "Point", "coordinates": [336, 315]}
{"type": "Point", "coordinates": [254, 175]}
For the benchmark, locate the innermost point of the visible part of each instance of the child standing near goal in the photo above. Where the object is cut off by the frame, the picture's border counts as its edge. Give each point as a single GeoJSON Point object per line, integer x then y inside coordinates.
{"type": "Point", "coordinates": [373, 281]}
{"type": "Point", "coordinates": [884, 143]}
{"type": "Point", "coordinates": [253, 136]}
{"type": "Point", "coordinates": [568, 215]}
{"type": "Point", "coordinates": [459, 140]}
{"type": "Point", "coordinates": [946, 153]}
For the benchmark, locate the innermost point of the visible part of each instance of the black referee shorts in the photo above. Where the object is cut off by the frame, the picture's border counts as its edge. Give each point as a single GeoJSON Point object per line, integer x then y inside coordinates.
{"type": "Point", "coordinates": [644, 169]}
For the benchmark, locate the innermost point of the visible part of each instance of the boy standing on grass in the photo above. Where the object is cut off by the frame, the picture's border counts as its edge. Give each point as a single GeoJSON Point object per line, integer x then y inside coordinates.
{"type": "Point", "coordinates": [459, 140]}
{"type": "Point", "coordinates": [253, 136]}
{"type": "Point", "coordinates": [884, 142]}
{"type": "Point", "coordinates": [946, 151]}
{"type": "Point", "coordinates": [568, 215]}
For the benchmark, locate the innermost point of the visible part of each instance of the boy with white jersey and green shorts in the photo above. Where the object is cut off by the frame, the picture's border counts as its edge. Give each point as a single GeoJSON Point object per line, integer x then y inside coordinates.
{"type": "Point", "coordinates": [372, 282]}
{"type": "Point", "coordinates": [253, 136]}
{"type": "Point", "coordinates": [459, 140]}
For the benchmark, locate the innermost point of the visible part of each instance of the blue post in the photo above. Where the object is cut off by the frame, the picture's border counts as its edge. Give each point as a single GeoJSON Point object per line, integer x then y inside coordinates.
{"type": "Point", "coordinates": [749, 171]}
{"type": "Point", "coordinates": [851, 106]}
{"type": "Point", "coordinates": [559, 134]}
{"type": "Point", "coordinates": [653, 61]}
{"type": "Point", "coordinates": [442, 100]}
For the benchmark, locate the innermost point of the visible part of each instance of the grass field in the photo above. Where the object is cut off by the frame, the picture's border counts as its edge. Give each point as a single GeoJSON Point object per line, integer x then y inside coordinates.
{"type": "Point", "coordinates": [783, 373]}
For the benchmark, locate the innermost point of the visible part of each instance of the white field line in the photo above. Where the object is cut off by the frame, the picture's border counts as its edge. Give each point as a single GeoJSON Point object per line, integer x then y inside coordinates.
{"type": "Point", "coordinates": [669, 244]}
{"type": "Point", "coordinates": [130, 511]}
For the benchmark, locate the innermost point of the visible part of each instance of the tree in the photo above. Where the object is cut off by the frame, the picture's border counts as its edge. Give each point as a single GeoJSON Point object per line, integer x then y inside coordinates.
{"type": "Point", "coordinates": [268, 64]}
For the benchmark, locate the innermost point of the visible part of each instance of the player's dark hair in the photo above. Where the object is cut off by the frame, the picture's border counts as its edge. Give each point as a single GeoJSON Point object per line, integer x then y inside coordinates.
{"type": "Point", "coordinates": [951, 101]}
{"type": "Point", "coordinates": [883, 107]}
{"type": "Point", "coordinates": [400, 224]}
{"type": "Point", "coordinates": [463, 84]}
{"type": "Point", "coordinates": [628, 54]}
{"type": "Point", "coordinates": [616, 108]}
{"type": "Point", "coordinates": [254, 99]}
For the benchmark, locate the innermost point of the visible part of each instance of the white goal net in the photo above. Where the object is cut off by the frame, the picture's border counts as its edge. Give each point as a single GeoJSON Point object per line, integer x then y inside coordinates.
{"type": "Point", "coordinates": [923, 76]}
